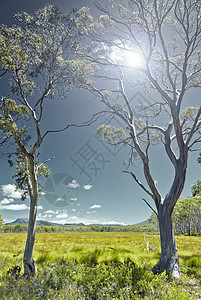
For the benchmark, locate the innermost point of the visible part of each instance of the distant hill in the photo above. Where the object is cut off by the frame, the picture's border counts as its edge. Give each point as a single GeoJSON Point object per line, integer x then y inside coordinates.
{"type": "Point", "coordinates": [21, 221]}
{"type": "Point", "coordinates": [25, 221]}
{"type": "Point", "coordinates": [144, 223]}
{"type": "Point", "coordinates": [107, 225]}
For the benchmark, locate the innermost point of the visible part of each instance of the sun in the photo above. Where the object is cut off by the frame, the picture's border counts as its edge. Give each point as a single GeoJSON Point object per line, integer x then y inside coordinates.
{"type": "Point", "coordinates": [134, 59]}
{"type": "Point", "coordinates": [127, 57]}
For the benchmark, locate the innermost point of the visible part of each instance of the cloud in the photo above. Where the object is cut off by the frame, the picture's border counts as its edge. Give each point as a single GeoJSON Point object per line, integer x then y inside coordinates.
{"type": "Point", "coordinates": [50, 211]}
{"type": "Point", "coordinates": [59, 199]}
{"type": "Point", "coordinates": [40, 207]}
{"type": "Point", "coordinates": [42, 194]}
{"type": "Point", "coordinates": [115, 223]}
{"type": "Point", "coordinates": [95, 206]}
{"type": "Point", "coordinates": [54, 212]}
{"type": "Point", "coordinates": [87, 187]}
{"type": "Point", "coordinates": [6, 201]}
{"type": "Point", "coordinates": [74, 184]}
{"type": "Point", "coordinates": [73, 199]}
{"type": "Point", "coordinates": [62, 215]}
{"type": "Point", "coordinates": [91, 212]}
{"type": "Point", "coordinates": [9, 191]}
{"type": "Point", "coordinates": [15, 207]}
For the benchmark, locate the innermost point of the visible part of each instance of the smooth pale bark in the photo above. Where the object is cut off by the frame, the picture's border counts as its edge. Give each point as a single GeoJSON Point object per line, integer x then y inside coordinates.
{"type": "Point", "coordinates": [29, 263]}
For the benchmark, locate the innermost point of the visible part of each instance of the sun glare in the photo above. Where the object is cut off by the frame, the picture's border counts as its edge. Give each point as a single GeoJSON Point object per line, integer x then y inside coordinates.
{"type": "Point", "coordinates": [129, 58]}
{"type": "Point", "coordinates": [134, 60]}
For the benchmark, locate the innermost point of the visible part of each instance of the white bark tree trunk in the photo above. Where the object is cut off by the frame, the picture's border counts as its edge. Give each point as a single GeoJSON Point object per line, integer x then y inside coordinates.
{"type": "Point", "coordinates": [29, 263]}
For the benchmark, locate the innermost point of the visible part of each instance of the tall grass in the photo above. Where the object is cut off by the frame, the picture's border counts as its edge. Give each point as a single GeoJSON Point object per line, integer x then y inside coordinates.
{"type": "Point", "coordinates": [86, 262]}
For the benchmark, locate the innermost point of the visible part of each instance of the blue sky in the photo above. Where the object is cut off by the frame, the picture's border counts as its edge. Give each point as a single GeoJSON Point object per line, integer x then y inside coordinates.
{"type": "Point", "coordinates": [87, 183]}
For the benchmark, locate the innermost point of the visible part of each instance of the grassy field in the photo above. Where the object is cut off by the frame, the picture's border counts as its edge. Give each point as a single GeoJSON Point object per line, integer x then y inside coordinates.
{"type": "Point", "coordinates": [91, 253]}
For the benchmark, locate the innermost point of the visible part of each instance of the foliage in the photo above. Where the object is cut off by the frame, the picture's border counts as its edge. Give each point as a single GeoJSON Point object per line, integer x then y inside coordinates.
{"type": "Point", "coordinates": [87, 228]}
{"type": "Point", "coordinates": [186, 216]}
{"type": "Point", "coordinates": [196, 188]}
{"type": "Point", "coordinates": [88, 272]}
{"type": "Point", "coordinates": [1, 219]}
{"type": "Point", "coordinates": [40, 53]}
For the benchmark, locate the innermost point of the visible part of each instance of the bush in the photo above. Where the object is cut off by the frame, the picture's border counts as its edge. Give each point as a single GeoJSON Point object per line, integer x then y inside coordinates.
{"type": "Point", "coordinates": [70, 279]}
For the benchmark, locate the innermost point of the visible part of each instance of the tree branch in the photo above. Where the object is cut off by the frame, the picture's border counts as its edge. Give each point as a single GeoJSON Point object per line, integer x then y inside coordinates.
{"type": "Point", "coordinates": [139, 183]}
{"type": "Point", "coordinates": [94, 118]}
{"type": "Point", "coordinates": [150, 207]}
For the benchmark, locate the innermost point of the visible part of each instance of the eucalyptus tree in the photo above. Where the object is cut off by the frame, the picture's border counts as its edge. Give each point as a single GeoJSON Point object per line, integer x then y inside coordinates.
{"type": "Point", "coordinates": [1, 219]}
{"type": "Point", "coordinates": [186, 215]}
{"type": "Point", "coordinates": [39, 53]}
{"type": "Point", "coordinates": [154, 45]}
{"type": "Point", "coordinates": [196, 188]}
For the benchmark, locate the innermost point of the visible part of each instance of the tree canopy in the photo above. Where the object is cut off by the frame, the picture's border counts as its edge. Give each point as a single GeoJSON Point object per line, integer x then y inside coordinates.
{"type": "Point", "coordinates": [1, 220]}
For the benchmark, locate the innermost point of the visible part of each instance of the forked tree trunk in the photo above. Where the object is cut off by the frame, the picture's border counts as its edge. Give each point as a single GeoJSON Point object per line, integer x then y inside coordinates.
{"type": "Point", "coordinates": [169, 261]}
{"type": "Point", "coordinates": [29, 263]}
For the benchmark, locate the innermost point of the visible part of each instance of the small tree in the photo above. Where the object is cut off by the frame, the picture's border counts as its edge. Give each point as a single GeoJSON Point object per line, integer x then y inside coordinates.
{"type": "Point", "coordinates": [1, 220]}
{"type": "Point", "coordinates": [186, 215]}
{"type": "Point", "coordinates": [196, 188]}
{"type": "Point", "coordinates": [164, 38]}
{"type": "Point", "coordinates": [40, 55]}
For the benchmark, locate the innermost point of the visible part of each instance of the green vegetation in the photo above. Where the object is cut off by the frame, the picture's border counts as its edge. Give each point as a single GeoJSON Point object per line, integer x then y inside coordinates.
{"type": "Point", "coordinates": [87, 228]}
{"type": "Point", "coordinates": [186, 216]}
{"type": "Point", "coordinates": [97, 265]}
{"type": "Point", "coordinates": [1, 220]}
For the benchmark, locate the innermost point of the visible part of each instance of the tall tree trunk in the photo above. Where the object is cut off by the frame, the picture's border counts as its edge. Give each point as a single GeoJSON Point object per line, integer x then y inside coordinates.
{"type": "Point", "coordinates": [29, 263]}
{"type": "Point", "coordinates": [169, 261]}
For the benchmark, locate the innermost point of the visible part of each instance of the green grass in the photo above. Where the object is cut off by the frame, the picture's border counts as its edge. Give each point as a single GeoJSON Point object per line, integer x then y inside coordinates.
{"type": "Point", "coordinates": [80, 266]}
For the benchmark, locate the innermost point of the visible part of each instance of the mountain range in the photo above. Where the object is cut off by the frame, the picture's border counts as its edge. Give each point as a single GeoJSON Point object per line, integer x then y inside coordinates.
{"type": "Point", "coordinates": [25, 221]}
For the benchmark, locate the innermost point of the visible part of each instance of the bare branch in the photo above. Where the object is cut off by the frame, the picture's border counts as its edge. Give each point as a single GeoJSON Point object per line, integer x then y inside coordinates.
{"type": "Point", "coordinates": [139, 183]}
{"type": "Point", "coordinates": [94, 118]}
{"type": "Point", "coordinates": [150, 207]}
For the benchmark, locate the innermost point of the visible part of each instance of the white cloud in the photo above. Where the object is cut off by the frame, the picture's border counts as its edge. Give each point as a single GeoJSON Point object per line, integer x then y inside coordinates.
{"type": "Point", "coordinates": [9, 191]}
{"type": "Point", "coordinates": [50, 212]}
{"type": "Point", "coordinates": [73, 218]}
{"type": "Point", "coordinates": [91, 212]}
{"type": "Point", "coordinates": [73, 209]}
{"type": "Point", "coordinates": [73, 199]}
{"type": "Point", "coordinates": [115, 223]}
{"type": "Point", "coordinates": [15, 207]}
{"type": "Point", "coordinates": [62, 215]}
{"type": "Point", "coordinates": [40, 207]}
{"type": "Point", "coordinates": [59, 199]}
{"type": "Point", "coordinates": [42, 193]}
{"type": "Point", "coordinates": [87, 187]}
{"type": "Point", "coordinates": [6, 201]}
{"type": "Point", "coordinates": [74, 184]}
{"type": "Point", "coordinates": [95, 206]}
